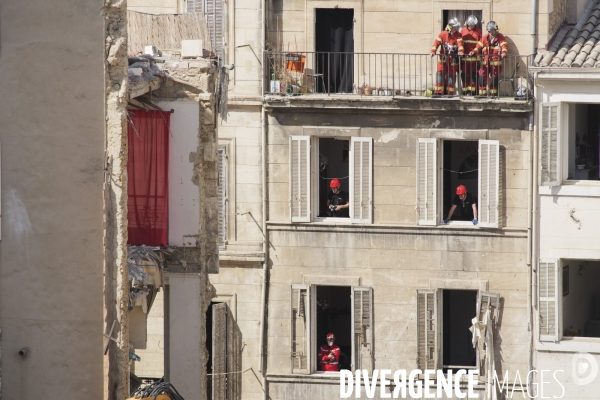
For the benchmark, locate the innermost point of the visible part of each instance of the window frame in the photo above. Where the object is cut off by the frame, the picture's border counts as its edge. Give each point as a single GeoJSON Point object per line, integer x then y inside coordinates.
{"type": "Point", "coordinates": [312, 164]}
{"type": "Point", "coordinates": [437, 185]}
{"type": "Point", "coordinates": [312, 344]}
{"type": "Point", "coordinates": [230, 166]}
{"type": "Point", "coordinates": [437, 323]}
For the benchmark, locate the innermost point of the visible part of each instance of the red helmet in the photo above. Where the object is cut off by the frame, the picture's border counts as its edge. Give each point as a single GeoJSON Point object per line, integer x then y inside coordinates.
{"type": "Point", "coordinates": [461, 189]}
{"type": "Point", "coordinates": [335, 182]}
{"type": "Point", "coordinates": [330, 336]}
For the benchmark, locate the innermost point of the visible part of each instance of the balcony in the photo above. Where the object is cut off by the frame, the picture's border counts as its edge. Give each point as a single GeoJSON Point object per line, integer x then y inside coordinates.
{"type": "Point", "coordinates": [392, 75]}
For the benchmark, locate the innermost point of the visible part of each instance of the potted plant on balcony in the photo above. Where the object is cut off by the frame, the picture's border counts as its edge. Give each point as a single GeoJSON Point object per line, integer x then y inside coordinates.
{"type": "Point", "coordinates": [366, 89]}
{"type": "Point", "coordinates": [387, 91]}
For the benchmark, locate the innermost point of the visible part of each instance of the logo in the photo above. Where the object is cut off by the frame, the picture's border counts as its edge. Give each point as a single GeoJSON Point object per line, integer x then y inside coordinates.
{"type": "Point", "coordinates": [585, 368]}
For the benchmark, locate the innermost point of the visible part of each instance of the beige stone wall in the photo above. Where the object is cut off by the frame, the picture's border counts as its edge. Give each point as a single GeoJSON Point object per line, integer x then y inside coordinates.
{"type": "Point", "coordinates": [397, 262]}
{"type": "Point", "coordinates": [394, 158]}
{"type": "Point", "coordinates": [241, 133]}
{"type": "Point", "coordinates": [51, 251]}
{"type": "Point", "coordinates": [557, 16]}
{"type": "Point", "coordinates": [395, 26]}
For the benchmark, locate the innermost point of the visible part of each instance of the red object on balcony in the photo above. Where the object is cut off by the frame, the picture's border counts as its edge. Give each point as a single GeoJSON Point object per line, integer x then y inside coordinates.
{"type": "Point", "coordinates": [295, 62]}
{"type": "Point", "coordinates": [148, 178]}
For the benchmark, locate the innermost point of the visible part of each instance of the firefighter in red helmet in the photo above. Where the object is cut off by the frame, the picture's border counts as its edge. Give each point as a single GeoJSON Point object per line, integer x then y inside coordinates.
{"type": "Point", "coordinates": [451, 46]}
{"type": "Point", "coordinates": [338, 204]}
{"type": "Point", "coordinates": [466, 204]}
{"type": "Point", "coordinates": [329, 355]}
{"type": "Point", "coordinates": [494, 49]}
{"type": "Point", "coordinates": [471, 35]}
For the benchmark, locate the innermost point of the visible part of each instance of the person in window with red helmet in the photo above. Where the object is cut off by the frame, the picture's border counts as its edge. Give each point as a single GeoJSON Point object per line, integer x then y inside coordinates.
{"type": "Point", "coordinates": [329, 355]}
{"type": "Point", "coordinates": [466, 204]}
{"type": "Point", "coordinates": [337, 200]}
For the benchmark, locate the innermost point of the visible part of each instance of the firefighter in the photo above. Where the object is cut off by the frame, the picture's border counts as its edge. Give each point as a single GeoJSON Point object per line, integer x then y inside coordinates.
{"type": "Point", "coordinates": [466, 204]}
{"type": "Point", "coordinates": [494, 49]}
{"type": "Point", "coordinates": [471, 35]}
{"type": "Point", "coordinates": [338, 204]}
{"type": "Point", "coordinates": [451, 46]}
{"type": "Point", "coordinates": [329, 355]}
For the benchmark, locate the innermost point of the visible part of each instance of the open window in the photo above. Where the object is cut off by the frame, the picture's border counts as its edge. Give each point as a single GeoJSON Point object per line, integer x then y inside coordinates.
{"type": "Point", "coordinates": [569, 299]}
{"type": "Point", "coordinates": [474, 164]}
{"type": "Point", "coordinates": [445, 325]}
{"type": "Point", "coordinates": [462, 16]}
{"type": "Point", "coordinates": [313, 165]}
{"type": "Point", "coordinates": [345, 311]}
{"type": "Point", "coordinates": [582, 142]}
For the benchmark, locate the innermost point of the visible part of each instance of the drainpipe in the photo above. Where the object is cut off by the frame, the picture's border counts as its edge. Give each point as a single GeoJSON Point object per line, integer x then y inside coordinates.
{"type": "Point", "coordinates": [265, 246]}
{"type": "Point", "coordinates": [531, 237]}
{"type": "Point", "coordinates": [534, 8]}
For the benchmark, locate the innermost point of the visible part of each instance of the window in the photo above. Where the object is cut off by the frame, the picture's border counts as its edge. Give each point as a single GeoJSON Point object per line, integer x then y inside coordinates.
{"type": "Point", "coordinates": [213, 11]}
{"type": "Point", "coordinates": [344, 310]}
{"type": "Point", "coordinates": [461, 15]}
{"type": "Point", "coordinates": [574, 155]}
{"type": "Point", "coordinates": [224, 344]}
{"type": "Point", "coordinates": [473, 164]}
{"type": "Point", "coordinates": [568, 299]}
{"type": "Point", "coordinates": [443, 319]}
{"type": "Point", "coordinates": [222, 196]}
{"type": "Point", "coordinates": [308, 186]}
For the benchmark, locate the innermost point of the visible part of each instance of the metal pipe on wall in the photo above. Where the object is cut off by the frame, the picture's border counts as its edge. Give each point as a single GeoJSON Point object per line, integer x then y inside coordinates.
{"type": "Point", "coordinates": [534, 8]}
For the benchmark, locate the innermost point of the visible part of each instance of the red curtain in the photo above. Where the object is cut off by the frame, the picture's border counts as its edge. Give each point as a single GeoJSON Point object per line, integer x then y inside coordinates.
{"type": "Point", "coordinates": [148, 177]}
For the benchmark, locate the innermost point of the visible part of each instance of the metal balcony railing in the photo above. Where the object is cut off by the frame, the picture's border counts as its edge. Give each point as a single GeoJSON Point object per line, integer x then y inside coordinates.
{"type": "Point", "coordinates": [394, 74]}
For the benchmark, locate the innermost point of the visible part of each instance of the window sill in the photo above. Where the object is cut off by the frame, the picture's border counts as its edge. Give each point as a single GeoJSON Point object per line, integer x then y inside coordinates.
{"type": "Point", "coordinates": [571, 345]}
{"type": "Point", "coordinates": [333, 221]}
{"type": "Point", "coordinates": [572, 188]}
{"type": "Point", "coordinates": [315, 377]}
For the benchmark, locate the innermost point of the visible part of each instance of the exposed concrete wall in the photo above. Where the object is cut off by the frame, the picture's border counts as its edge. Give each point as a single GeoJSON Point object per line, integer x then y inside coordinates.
{"type": "Point", "coordinates": [52, 118]}
{"type": "Point", "coordinates": [116, 279]}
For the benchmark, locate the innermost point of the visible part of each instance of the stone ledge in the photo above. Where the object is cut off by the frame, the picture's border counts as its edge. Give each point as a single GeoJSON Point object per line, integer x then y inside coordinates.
{"type": "Point", "coordinates": [399, 229]}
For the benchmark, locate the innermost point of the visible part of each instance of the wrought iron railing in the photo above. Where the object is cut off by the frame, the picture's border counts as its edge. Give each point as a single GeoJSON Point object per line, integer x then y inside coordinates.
{"type": "Point", "coordinates": [393, 74]}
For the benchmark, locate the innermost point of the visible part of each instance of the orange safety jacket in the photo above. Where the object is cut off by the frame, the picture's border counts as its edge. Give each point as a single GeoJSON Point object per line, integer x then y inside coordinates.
{"type": "Point", "coordinates": [449, 43]}
{"type": "Point", "coordinates": [493, 47]}
{"type": "Point", "coordinates": [470, 39]}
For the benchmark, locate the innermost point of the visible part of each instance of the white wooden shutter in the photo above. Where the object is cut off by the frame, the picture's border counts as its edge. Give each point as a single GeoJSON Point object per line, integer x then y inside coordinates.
{"type": "Point", "coordinates": [550, 174]}
{"type": "Point", "coordinates": [194, 6]}
{"type": "Point", "coordinates": [222, 197]}
{"type": "Point", "coordinates": [427, 181]}
{"type": "Point", "coordinates": [362, 327]}
{"type": "Point", "coordinates": [300, 178]}
{"type": "Point", "coordinates": [427, 329]}
{"type": "Point", "coordinates": [361, 180]}
{"type": "Point", "coordinates": [549, 300]}
{"type": "Point", "coordinates": [300, 334]}
{"type": "Point", "coordinates": [486, 301]}
{"type": "Point", "coordinates": [219, 351]}
{"type": "Point", "coordinates": [214, 19]}
{"type": "Point", "coordinates": [488, 206]}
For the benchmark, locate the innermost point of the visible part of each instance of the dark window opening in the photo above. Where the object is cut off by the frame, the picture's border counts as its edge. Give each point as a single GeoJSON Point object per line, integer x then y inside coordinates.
{"type": "Point", "coordinates": [209, 348]}
{"type": "Point", "coordinates": [462, 16]}
{"type": "Point", "coordinates": [581, 298]}
{"type": "Point", "coordinates": [461, 163]}
{"type": "Point", "coordinates": [334, 315]}
{"type": "Point", "coordinates": [459, 308]}
{"type": "Point", "coordinates": [583, 143]}
{"type": "Point", "coordinates": [334, 43]}
{"type": "Point", "coordinates": [333, 163]}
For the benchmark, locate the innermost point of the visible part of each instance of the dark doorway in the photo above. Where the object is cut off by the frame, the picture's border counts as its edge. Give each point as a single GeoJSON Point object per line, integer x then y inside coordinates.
{"type": "Point", "coordinates": [334, 315]}
{"type": "Point", "coordinates": [333, 163]}
{"type": "Point", "coordinates": [462, 16]}
{"type": "Point", "coordinates": [461, 163]}
{"type": "Point", "coordinates": [209, 360]}
{"type": "Point", "coordinates": [334, 43]}
{"type": "Point", "coordinates": [459, 308]}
